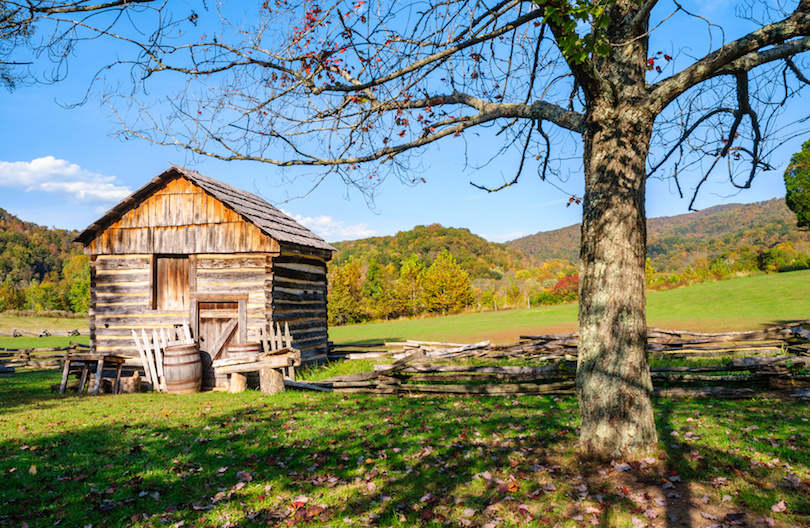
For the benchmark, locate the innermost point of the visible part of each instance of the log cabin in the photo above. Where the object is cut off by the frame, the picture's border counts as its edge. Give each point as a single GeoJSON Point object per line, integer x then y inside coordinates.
{"type": "Point", "coordinates": [185, 248]}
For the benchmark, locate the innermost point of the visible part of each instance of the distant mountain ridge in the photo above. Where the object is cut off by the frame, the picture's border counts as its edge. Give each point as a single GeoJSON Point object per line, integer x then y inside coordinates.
{"type": "Point", "coordinates": [674, 242]}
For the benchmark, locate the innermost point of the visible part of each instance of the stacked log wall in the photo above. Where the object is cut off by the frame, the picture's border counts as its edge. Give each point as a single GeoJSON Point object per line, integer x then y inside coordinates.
{"type": "Point", "coordinates": [227, 255]}
{"type": "Point", "coordinates": [121, 300]}
{"type": "Point", "coordinates": [297, 296]}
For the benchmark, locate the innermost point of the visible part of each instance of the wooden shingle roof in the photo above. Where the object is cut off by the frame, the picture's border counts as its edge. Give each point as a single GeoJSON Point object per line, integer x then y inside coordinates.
{"type": "Point", "coordinates": [270, 220]}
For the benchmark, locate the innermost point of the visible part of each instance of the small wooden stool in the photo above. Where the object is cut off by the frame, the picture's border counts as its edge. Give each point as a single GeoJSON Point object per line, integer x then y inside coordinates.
{"type": "Point", "coordinates": [92, 360]}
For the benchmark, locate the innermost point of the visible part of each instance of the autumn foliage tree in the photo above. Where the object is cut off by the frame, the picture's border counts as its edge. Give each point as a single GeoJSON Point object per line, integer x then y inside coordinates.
{"type": "Point", "coordinates": [446, 286]}
{"type": "Point", "coordinates": [345, 293]}
{"type": "Point", "coordinates": [361, 88]}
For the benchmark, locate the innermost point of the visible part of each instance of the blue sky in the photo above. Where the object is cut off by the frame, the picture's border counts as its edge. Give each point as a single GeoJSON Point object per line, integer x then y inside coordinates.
{"type": "Point", "coordinates": [63, 167]}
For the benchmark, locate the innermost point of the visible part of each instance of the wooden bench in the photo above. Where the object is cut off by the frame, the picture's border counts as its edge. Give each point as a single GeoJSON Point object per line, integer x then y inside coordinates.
{"type": "Point", "coordinates": [269, 365]}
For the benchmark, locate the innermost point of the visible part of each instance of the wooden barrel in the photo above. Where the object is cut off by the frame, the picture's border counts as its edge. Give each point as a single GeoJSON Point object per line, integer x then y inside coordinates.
{"type": "Point", "coordinates": [182, 369]}
{"type": "Point", "coordinates": [210, 379]}
{"type": "Point", "coordinates": [247, 351]}
{"type": "Point", "coordinates": [244, 350]}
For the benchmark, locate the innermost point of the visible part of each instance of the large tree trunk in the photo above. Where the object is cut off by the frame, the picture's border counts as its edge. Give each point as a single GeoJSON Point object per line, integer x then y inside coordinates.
{"type": "Point", "coordinates": [613, 376]}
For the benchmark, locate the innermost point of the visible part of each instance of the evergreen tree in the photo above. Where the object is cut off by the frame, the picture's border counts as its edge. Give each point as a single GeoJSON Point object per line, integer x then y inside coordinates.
{"type": "Point", "coordinates": [797, 185]}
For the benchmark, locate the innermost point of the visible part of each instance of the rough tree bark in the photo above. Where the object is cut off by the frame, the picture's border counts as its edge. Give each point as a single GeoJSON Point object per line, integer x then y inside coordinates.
{"type": "Point", "coordinates": [613, 378]}
{"type": "Point", "coordinates": [614, 386]}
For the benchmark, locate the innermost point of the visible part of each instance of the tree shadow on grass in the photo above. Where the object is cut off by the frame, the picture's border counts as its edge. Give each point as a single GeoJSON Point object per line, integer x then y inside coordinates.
{"type": "Point", "coordinates": [314, 460]}
{"type": "Point", "coordinates": [317, 460]}
{"type": "Point", "coordinates": [733, 460]}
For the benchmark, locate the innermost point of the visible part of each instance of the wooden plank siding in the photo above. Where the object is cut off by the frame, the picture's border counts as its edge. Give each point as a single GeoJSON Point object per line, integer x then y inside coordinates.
{"type": "Point", "coordinates": [297, 296]}
{"type": "Point", "coordinates": [181, 218]}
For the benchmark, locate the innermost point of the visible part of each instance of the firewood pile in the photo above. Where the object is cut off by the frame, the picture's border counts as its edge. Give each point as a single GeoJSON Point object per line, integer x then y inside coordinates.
{"type": "Point", "coordinates": [774, 360]}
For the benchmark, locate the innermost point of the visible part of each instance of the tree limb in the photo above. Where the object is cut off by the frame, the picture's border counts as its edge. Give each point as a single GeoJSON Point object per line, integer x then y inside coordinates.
{"type": "Point", "coordinates": [742, 54]}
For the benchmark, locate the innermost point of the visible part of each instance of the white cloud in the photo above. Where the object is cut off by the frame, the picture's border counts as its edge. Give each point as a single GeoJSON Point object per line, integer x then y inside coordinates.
{"type": "Point", "coordinates": [333, 230]}
{"type": "Point", "coordinates": [506, 237]}
{"type": "Point", "coordinates": [62, 178]}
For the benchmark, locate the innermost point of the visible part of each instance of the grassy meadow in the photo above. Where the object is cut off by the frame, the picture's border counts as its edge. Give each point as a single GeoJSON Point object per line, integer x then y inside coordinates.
{"type": "Point", "coordinates": [359, 460]}
{"type": "Point", "coordinates": [745, 303]}
{"type": "Point", "coordinates": [348, 460]}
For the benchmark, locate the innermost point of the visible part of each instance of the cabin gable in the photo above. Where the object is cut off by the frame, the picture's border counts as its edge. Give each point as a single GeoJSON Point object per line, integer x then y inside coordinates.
{"type": "Point", "coordinates": [180, 218]}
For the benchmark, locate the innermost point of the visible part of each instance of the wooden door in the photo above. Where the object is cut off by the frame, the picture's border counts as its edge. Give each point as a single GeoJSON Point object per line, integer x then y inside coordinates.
{"type": "Point", "coordinates": [171, 283]}
{"type": "Point", "coordinates": [217, 320]}
{"type": "Point", "coordinates": [214, 319]}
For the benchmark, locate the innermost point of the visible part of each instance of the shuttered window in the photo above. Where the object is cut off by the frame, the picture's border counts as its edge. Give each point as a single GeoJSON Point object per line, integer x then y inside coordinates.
{"type": "Point", "coordinates": [171, 282]}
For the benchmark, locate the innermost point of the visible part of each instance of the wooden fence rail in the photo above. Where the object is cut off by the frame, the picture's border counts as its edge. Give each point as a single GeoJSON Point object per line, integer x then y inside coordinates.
{"type": "Point", "coordinates": [44, 333]}
{"type": "Point", "coordinates": [41, 358]}
{"type": "Point", "coordinates": [774, 359]}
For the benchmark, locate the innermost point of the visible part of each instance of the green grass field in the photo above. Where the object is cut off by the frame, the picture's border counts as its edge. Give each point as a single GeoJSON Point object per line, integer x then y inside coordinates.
{"type": "Point", "coordinates": [746, 303]}
{"type": "Point", "coordinates": [359, 460]}
{"type": "Point", "coordinates": [349, 460]}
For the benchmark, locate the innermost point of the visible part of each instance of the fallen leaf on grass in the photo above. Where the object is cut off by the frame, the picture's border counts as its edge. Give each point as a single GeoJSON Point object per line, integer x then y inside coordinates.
{"type": "Point", "coordinates": [794, 481]}
{"type": "Point", "coordinates": [638, 523]}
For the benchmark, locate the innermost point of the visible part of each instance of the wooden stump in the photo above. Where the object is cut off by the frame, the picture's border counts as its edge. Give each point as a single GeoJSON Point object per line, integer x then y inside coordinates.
{"type": "Point", "coordinates": [237, 383]}
{"type": "Point", "coordinates": [132, 384]}
{"type": "Point", "coordinates": [271, 381]}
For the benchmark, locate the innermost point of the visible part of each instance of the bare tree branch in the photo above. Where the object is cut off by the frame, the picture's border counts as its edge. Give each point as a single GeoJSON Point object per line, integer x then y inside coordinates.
{"type": "Point", "coordinates": [742, 54]}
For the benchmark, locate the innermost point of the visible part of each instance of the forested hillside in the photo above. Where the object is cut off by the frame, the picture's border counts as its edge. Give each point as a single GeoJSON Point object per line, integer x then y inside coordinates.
{"type": "Point", "coordinates": [41, 268]}
{"type": "Point", "coordinates": [479, 258]}
{"type": "Point", "coordinates": [434, 269]}
{"type": "Point", "coordinates": [429, 269]}
{"type": "Point", "coordinates": [388, 277]}
{"type": "Point", "coordinates": [677, 242]}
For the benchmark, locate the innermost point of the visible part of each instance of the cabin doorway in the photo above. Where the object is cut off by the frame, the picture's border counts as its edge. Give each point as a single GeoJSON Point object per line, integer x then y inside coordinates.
{"type": "Point", "coordinates": [218, 321]}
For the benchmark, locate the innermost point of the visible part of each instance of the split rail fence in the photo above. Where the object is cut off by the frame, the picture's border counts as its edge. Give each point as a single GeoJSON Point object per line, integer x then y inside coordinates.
{"type": "Point", "coordinates": [37, 358]}
{"type": "Point", "coordinates": [774, 360]}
